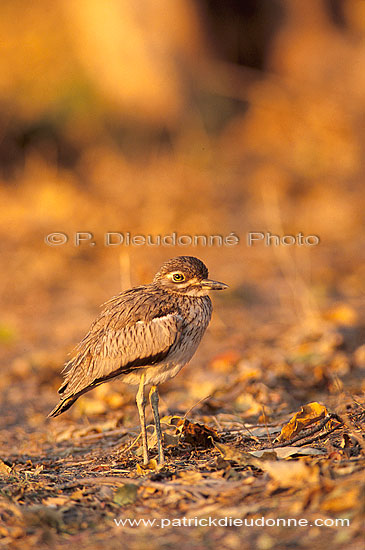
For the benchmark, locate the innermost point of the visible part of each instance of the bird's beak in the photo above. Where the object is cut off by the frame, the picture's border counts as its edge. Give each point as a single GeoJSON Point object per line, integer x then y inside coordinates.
{"type": "Point", "coordinates": [209, 284]}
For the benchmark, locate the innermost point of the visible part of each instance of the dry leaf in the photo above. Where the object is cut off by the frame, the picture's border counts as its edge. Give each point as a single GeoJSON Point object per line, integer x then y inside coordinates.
{"type": "Point", "coordinates": [265, 458]}
{"type": "Point", "coordinates": [198, 434]}
{"type": "Point", "coordinates": [262, 430]}
{"type": "Point", "coordinates": [308, 414]}
{"type": "Point", "coordinates": [143, 469]}
{"type": "Point", "coordinates": [341, 498]}
{"type": "Point", "coordinates": [77, 495]}
{"type": "Point", "coordinates": [172, 420]}
{"type": "Point", "coordinates": [190, 476]}
{"type": "Point", "coordinates": [342, 314]}
{"type": "Point", "coordinates": [292, 473]}
{"type": "Point", "coordinates": [286, 452]}
{"type": "Point", "coordinates": [55, 501]}
{"type": "Point", "coordinates": [4, 468]}
{"type": "Point", "coordinates": [126, 494]}
{"type": "Point", "coordinates": [235, 455]}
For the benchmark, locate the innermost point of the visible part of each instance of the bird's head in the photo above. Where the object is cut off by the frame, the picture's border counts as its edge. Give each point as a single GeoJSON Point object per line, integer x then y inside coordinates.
{"type": "Point", "coordinates": [186, 275]}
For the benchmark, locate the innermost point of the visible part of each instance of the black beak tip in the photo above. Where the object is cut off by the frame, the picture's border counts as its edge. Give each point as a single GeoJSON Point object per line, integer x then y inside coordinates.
{"type": "Point", "coordinates": [213, 285]}
{"type": "Point", "coordinates": [221, 286]}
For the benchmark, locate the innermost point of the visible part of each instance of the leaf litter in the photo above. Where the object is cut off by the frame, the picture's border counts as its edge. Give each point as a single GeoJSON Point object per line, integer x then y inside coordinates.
{"type": "Point", "coordinates": [279, 435]}
{"type": "Point", "coordinates": [206, 469]}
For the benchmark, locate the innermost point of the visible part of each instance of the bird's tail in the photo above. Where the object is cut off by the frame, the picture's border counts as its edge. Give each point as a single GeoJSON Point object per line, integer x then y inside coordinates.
{"type": "Point", "coordinates": [63, 405]}
{"type": "Point", "coordinates": [72, 386]}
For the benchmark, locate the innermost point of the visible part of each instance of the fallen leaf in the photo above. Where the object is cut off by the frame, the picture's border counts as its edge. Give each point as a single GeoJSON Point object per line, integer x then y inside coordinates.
{"type": "Point", "coordinates": [308, 414]}
{"type": "Point", "coordinates": [190, 476]}
{"type": "Point", "coordinates": [235, 455]}
{"type": "Point", "coordinates": [262, 431]}
{"type": "Point", "coordinates": [172, 420]}
{"type": "Point", "coordinates": [341, 498]}
{"type": "Point", "coordinates": [126, 494]}
{"type": "Point", "coordinates": [143, 469]}
{"type": "Point", "coordinates": [292, 473]}
{"type": "Point", "coordinates": [55, 501]}
{"type": "Point", "coordinates": [286, 452]}
{"type": "Point", "coordinates": [4, 468]}
{"type": "Point", "coordinates": [342, 314]}
{"type": "Point", "coordinates": [231, 453]}
{"type": "Point", "coordinates": [77, 495]}
{"type": "Point", "coordinates": [198, 435]}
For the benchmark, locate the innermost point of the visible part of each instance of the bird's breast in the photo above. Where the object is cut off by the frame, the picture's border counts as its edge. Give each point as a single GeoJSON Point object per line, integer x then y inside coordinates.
{"type": "Point", "coordinates": [196, 314]}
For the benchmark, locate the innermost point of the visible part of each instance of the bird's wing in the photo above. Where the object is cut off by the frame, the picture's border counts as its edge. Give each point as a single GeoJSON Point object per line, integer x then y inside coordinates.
{"type": "Point", "coordinates": [108, 351]}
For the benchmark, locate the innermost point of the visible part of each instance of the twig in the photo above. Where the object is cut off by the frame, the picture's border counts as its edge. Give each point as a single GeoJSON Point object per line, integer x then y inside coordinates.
{"type": "Point", "coordinates": [352, 429]}
{"type": "Point", "coordinates": [196, 404]}
{"type": "Point", "coordinates": [317, 437]}
{"type": "Point", "coordinates": [358, 403]}
{"type": "Point", "coordinates": [123, 451]}
{"type": "Point", "coordinates": [315, 429]}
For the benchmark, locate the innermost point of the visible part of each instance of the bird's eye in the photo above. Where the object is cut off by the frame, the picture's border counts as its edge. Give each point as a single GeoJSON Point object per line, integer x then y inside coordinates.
{"type": "Point", "coordinates": [178, 277]}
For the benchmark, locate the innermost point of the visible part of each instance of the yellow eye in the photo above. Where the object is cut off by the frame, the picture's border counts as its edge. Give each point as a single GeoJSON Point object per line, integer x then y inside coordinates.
{"type": "Point", "coordinates": [178, 277]}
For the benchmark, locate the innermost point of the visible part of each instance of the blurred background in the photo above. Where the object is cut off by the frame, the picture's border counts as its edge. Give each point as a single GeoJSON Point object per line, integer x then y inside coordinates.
{"type": "Point", "coordinates": [194, 116]}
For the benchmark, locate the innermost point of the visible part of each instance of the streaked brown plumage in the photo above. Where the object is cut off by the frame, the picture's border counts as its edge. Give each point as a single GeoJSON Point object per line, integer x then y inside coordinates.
{"type": "Point", "coordinates": [144, 335]}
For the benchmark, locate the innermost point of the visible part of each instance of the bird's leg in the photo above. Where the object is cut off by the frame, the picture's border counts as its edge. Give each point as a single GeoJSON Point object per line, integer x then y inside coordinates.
{"type": "Point", "coordinates": [141, 404]}
{"type": "Point", "coordinates": [154, 404]}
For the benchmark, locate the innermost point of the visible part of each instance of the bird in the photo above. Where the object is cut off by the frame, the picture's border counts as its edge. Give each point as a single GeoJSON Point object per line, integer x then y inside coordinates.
{"type": "Point", "coordinates": [144, 336]}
